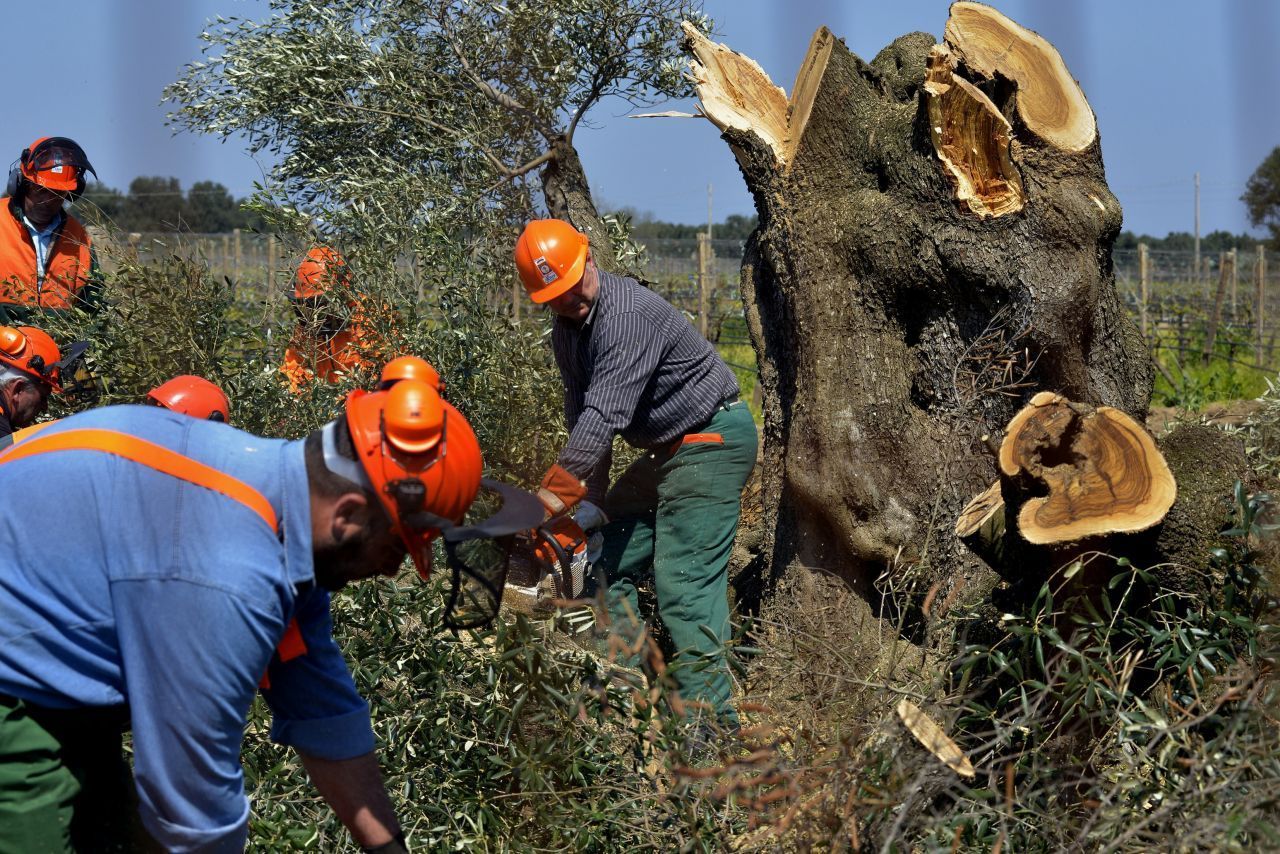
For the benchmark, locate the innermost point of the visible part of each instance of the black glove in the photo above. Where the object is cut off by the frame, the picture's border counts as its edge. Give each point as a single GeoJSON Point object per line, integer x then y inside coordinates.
{"type": "Point", "coordinates": [395, 846]}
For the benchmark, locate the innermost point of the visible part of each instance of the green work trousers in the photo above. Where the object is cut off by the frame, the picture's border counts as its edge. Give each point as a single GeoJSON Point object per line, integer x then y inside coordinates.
{"type": "Point", "coordinates": [673, 516]}
{"type": "Point", "coordinates": [64, 782]}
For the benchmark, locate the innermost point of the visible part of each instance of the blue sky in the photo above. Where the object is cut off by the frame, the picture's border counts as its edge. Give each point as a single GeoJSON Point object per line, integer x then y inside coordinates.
{"type": "Point", "coordinates": [1178, 86]}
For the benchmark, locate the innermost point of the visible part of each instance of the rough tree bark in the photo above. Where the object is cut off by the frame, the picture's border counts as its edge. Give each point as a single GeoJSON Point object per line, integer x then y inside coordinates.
{"type": "Point", "coordinates": [934, 247]}
{"type": "Point", "coordinates": [568, 197]}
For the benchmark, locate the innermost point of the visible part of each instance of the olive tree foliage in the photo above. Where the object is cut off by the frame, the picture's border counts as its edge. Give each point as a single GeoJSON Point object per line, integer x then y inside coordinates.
{"type": "Point", "coordinates": [416, 124]}
{"type": "Point", "coordinates": [417, 136]}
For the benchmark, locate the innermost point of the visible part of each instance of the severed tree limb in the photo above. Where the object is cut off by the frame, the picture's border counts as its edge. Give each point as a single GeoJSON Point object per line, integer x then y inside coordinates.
{"type": "Point", "coordinates": [981, 525]}
{"type": "Point", "coordinates": [1103, 471]}
{"type": "Point", "coordinates": [735, 92]}
{"type": "Point", "coordinates": [1049, 101]}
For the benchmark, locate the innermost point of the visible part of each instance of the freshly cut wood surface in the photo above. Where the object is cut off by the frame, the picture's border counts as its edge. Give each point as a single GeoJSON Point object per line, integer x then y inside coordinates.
{"type": "Point", "coordinates": [971, 137]}
{"type": "Point", "coordinates": [934, 739]}
{"type": "Point", "coordinates": [1102, 469]}
{"type": "Point", "coordinates": [735, 93]}
{"type": "Point", "coordinates": [979, 510]}
{"type": "Point", "coordinates": [1049, 100]}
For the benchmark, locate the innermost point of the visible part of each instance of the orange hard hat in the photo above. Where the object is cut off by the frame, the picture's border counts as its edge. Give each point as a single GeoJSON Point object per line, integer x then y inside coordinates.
{"type": "Point", "coordinates": [194, 396]}
{"type": "Point", "coordinates": [550, 255]}
{"type": "Point", "coordinates": [33, 352]}
{"type": "Point", "coordinates": [420, 456]}
{"type": "Point", "coordinates": [409, 368]}
{"type": "Point", "coordinates": [319, 271]}
{"type": "Point", "coordinates": [56, 163]}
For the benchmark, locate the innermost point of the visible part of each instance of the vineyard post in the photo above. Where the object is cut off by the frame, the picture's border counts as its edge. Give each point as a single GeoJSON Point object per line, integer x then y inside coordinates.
{"type": "Point", "coordinates": [235, 235]}
{"type": "Point", "coordinates": [1211, 336]}
{"type": "Point", "coordinates": [704, 281]}
{"type": "Point", "coordinates": [271, 263]}
{"type": "Point", "coordinates": [1233, 257]}
{"type": "Point", "coordinates": [1144, 279]}
{"type": "Point", "coordinates": [1260, 301]}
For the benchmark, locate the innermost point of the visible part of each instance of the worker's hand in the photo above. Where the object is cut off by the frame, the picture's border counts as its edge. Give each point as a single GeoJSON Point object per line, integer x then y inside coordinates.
{"type": "Point", "coordinates": [560, 490]}
{"type": "Point", "coordinates": [395, 846]}
{"type": "Point", "coordinates": [589, 517]}
{"type": "Point", "coordinates": [595, 547]}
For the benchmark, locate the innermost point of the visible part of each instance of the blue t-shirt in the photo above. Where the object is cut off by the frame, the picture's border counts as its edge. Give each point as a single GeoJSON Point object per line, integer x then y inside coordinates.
{"type": "Point", "coordinates": [121, 584]}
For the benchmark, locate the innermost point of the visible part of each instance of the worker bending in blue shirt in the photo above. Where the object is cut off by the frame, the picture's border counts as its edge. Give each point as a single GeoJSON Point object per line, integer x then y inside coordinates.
{"type": "Point", "coordinates": [168, 566]}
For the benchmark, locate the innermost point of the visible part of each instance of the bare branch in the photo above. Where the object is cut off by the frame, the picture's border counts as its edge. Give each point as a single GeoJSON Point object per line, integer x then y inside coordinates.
{"type": "Point", "coordinates": [502, 99]}
{"type": "Point", "coordinates": [512, 174]}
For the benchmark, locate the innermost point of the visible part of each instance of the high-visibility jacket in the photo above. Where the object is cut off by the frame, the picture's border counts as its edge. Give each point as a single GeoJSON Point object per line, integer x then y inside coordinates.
{"type": "Point", "coordinates": [182, 552]}
{"type": "Point", "coordinates": [328, 359]}
{"type": "Point", "coordinates": [69, 276]}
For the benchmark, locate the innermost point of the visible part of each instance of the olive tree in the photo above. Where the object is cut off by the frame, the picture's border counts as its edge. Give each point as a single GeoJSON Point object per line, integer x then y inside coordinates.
{"type": "Point", "coordinates": [416, 124]}
{"type": "Point", "coordinates": [1262, 195]}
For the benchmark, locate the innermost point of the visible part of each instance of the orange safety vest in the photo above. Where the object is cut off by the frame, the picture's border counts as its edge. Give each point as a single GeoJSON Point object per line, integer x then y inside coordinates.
{"type": "Point", "coordinates": [65, 275]}
{"type": "Point", "coordinates": [329, 359]}
{"type": "Point", "coordinates": [165, 461]}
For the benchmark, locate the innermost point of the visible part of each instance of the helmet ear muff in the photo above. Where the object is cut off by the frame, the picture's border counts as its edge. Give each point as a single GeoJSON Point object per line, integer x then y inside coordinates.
{"type": "Point", "coordinates": [14, 184]}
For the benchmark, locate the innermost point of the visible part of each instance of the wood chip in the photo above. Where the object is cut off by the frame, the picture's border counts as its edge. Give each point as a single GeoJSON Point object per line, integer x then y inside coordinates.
{"type": "Point", "coordinates": [934, 739]}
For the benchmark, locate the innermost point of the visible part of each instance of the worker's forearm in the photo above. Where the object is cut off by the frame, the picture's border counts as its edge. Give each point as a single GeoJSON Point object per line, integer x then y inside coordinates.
{"type": "Point", "coordinates": [354, 789]}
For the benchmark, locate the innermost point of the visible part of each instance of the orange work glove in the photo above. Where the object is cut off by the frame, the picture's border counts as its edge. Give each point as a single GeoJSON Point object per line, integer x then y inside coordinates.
{"type": "Point", "coordinates": [560, 490]}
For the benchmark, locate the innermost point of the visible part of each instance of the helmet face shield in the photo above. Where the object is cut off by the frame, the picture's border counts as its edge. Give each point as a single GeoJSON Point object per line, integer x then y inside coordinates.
{"type": "Point", "coordinates": [58, 164]}
{"type": "Point", "coordinates": [478, 571]}
{"type": "Point", "coordinates": [33, 352]}
{"type": "Point", "coordinates": [479, 555]}
{"type": "Point", "coordinates": [421, 459]}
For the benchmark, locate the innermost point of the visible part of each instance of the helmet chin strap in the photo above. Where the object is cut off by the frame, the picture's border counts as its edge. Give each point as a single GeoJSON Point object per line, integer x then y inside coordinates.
{"type": "Point", "coordinates": [335, 462]}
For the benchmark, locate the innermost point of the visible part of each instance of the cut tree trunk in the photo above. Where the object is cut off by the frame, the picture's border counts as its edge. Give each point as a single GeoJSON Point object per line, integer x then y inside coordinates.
{"type": "Point", "coordinates": [1084, 472]}
{"type": "Point", "coordinates": [934, 247]}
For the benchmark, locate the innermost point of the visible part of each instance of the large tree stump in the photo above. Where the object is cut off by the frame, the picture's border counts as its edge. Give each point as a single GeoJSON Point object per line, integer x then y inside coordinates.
{"type": "Point", "coordinates": [934, 245]}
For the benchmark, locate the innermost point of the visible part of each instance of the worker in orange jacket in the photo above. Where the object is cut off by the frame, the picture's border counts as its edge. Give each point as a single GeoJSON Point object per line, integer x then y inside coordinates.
{"type": "Point", "coordinates": [47, 261]}
{"type": "Point", "coordinates": [327, 342]}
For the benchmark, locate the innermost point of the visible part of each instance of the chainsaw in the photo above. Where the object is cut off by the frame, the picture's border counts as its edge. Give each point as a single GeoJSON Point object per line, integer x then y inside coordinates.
{"type": "Point", "coordinates": [559, 548]}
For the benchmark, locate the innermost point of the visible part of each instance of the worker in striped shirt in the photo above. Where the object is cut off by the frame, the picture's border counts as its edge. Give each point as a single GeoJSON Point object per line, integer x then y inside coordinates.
{"type": "Point", "coordinates": [633, 366]}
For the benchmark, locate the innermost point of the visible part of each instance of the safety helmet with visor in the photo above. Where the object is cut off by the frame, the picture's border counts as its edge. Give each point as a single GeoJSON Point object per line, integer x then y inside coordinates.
{"type": "Point", "coordinates": [56, 163]}
{"type": "Point", "coordinates": [420, 457]}
{"type": "Point", "coordinates": [35, 354]}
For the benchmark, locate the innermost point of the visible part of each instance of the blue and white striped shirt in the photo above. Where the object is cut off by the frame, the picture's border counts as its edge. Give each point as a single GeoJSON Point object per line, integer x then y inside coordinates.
{"type": "Point", "coordinates": [636, 368]}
